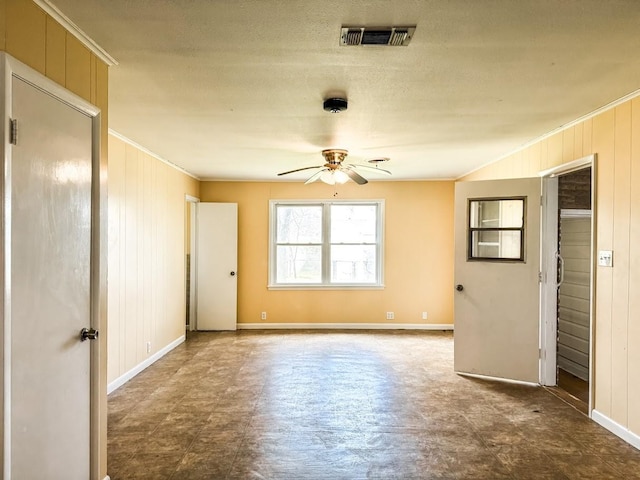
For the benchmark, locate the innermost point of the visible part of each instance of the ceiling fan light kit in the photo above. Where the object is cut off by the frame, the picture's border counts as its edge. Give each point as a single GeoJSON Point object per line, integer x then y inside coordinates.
{"type": "Point", "coordinates": [331, 177]}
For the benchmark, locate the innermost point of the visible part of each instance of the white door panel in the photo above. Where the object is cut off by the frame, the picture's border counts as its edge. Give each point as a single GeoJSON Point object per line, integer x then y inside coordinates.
{"type": "Point", "coordinates": [50, 220]}
{"type": "Point", "coordinates": [216, 264]}
{"type": "Point", "coordinates": [497, 311]}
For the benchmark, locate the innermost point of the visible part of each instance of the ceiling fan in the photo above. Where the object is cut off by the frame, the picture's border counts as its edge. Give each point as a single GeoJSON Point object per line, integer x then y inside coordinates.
{"type": "Point", "coordinates": [334, 171]}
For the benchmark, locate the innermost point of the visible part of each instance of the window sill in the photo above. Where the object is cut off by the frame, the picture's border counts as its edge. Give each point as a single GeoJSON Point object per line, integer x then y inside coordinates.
{"type": "Point", "coordinates": [326, 287]}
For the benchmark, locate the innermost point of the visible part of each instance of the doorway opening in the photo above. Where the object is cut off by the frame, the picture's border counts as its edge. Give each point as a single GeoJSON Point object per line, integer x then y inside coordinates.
{"type": "Point", "coordinates": [568, 226]}
{"type": "Point", "coordinates": [190, 262]}
{"type": "Point", "coordinates": [574, 246]}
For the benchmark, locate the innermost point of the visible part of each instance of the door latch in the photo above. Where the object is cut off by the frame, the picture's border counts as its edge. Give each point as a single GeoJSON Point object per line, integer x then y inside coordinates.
{"type": "Point", "coordinates": [13, 131]}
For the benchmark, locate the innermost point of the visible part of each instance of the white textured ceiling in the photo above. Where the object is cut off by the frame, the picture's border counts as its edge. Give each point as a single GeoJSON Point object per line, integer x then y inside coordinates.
{"type": "Point", "coordinates": [233, 89]}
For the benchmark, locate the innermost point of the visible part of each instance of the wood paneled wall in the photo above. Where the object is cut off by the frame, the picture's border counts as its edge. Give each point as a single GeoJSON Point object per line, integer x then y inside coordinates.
{"type": "Point", "coordinates": [146, 255]}
{"type": "Point", "coordinates": [32, 36]}
{"type": "Point", "coordinates": [614, 135]}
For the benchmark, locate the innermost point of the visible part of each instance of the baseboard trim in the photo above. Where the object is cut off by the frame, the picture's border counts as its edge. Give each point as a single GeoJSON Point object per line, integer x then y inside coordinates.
{"type": "Point", "coordinates": [498, 379]}
{"type": "Point", "coordinates": [617, 429]}
{"type": "Point", "coordinates": [345, 326]}
{"type": "Point", "coordinates": [118, 382]}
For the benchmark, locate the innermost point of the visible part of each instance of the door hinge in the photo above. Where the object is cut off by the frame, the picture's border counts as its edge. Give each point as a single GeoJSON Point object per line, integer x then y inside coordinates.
{"type": "Point", "coordinates": [539, 277]}
{"type": "Point", "coordinates": [540, 354]}
{"type": "Point", "coordinates": [13, 131]}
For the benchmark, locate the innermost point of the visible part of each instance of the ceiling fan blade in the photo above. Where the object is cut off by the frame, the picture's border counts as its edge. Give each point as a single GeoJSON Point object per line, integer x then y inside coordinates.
{"type": "Point", "coordinates": [360, 180]}
{"type": "Point", "coordinates": [299, 170]}
{"type": "Point", "coordinates": [370, 168]}
{"type": "Point", "coordinates": [315, 176]}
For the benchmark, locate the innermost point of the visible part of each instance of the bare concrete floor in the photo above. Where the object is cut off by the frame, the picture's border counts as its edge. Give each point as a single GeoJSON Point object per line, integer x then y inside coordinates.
{"type": "Point", "coordinates": [345, 405]}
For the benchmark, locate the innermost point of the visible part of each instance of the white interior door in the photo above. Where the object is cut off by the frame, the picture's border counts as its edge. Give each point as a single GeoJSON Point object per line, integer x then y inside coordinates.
{"type": "Point", "coordinates": [216, 265]}
{"type": "Point", "coordinates": [497, 300]}
{"type": "Point", "coordinates": [49, 245]}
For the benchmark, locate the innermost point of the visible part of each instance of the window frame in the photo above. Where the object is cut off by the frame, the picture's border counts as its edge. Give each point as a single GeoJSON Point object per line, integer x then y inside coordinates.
{"type": "Point", "coordinates": [326, 283]}
{"type": "Point", "coordinates": [522, 229]}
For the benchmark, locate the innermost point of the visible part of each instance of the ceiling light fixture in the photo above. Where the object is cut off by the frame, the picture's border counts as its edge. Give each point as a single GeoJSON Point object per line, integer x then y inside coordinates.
{"type": "Point", "coordinates": [335, 105]}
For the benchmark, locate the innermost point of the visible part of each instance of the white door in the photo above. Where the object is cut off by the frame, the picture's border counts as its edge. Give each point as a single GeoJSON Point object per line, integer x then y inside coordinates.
{"type": "Point", "coordinates": [216, 265]}
{"type": "Point", "coordinates": [497, 261]}
{"type": "Point", "coordinates": [49, 284]}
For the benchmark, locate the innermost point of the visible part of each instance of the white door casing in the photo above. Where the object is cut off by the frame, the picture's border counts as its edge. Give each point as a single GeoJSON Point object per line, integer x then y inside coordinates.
{"type": "Point", "coordinates": [216, 265]}
{"type": "Point", "coordinates": [52, 282]}
{"type": "Point", "coordinates": [497, 312]}
{"type": "Point", "coordinates": [549, 266]}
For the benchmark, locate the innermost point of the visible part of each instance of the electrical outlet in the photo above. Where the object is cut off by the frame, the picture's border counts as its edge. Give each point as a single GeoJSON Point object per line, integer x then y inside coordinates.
{"type": "Point", "coordinates": [148, 347]}
{"type": "Point", "coordinates": [263, 316]}
{"type": "Point", "coordinates": [390, 316]}
{"type": "Point", "coordinates": [424, 315]}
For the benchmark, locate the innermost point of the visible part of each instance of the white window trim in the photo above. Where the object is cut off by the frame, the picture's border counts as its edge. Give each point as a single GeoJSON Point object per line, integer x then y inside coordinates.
{"type": "Point", "coordinates": [272, 285]}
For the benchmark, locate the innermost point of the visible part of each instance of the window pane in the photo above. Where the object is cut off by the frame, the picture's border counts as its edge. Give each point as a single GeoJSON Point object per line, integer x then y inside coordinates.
{"type": "Point", "coordinates": [296, 264]}
{"type": "Point", "coordinates": [496, 213]}
{"type": "Point", "coordinates": [353, 264]}
{"type": "Point", "coordinates": [353, 223]}
{"type": "Point", "coordinates": [299, 224]}
{"type": "Point", "coordinates": [325, 243]}
{"type": "Point", "coordinates": [496, 244]}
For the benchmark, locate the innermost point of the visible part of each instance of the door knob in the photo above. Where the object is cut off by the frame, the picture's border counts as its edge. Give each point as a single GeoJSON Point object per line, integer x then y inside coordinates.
{"type": "Point", "coordinates": [459, 287]}
{"type": "Point", "coordinates": [88, 334]}
{"type": "Point", "coordinates": [232, 273]}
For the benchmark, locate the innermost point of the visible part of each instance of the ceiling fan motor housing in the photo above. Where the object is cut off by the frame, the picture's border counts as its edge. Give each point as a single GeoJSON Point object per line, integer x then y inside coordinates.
{"type": "Point", "coordinates": [335, 105]}
{"type": "Point", "coordinates": [334, 156]}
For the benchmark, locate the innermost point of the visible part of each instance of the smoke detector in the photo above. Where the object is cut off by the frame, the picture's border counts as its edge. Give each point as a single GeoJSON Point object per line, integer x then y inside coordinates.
{"type": "Point", "coordinates": [381, 36]}
{"type": "Point", "coordinates": [335, 105]}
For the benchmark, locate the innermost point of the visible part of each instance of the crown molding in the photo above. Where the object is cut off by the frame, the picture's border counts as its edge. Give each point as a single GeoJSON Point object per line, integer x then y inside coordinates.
{"type": "Point", "coordinates": [76, 31]}
{"type": "Point", "coordinates": [150, 153]}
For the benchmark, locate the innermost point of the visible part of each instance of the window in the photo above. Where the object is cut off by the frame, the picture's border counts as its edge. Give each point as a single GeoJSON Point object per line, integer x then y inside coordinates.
{"type": "Point", "coordinates": [325, 244]}
{"type": "Point", "coordinates": [496, 229]}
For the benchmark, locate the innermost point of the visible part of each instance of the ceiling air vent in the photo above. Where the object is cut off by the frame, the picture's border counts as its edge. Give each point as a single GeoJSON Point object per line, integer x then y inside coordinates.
{"type": "Point", "coordinates": [386, 36]}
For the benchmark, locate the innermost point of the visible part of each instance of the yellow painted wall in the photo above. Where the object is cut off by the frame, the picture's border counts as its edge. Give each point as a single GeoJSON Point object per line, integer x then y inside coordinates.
{"type": "Point", "coordinates": [418, 266]}
{"type": "Point", "coordinates": [146, 255]}
{"type": "Point", "coordinates": [614, 135]}
{"type": "Point", "coordinates": [36, 39]}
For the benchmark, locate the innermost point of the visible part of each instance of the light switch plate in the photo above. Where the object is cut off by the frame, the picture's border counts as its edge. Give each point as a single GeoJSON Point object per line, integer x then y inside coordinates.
{"type": "Point", "coordinates": [605, 258]}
